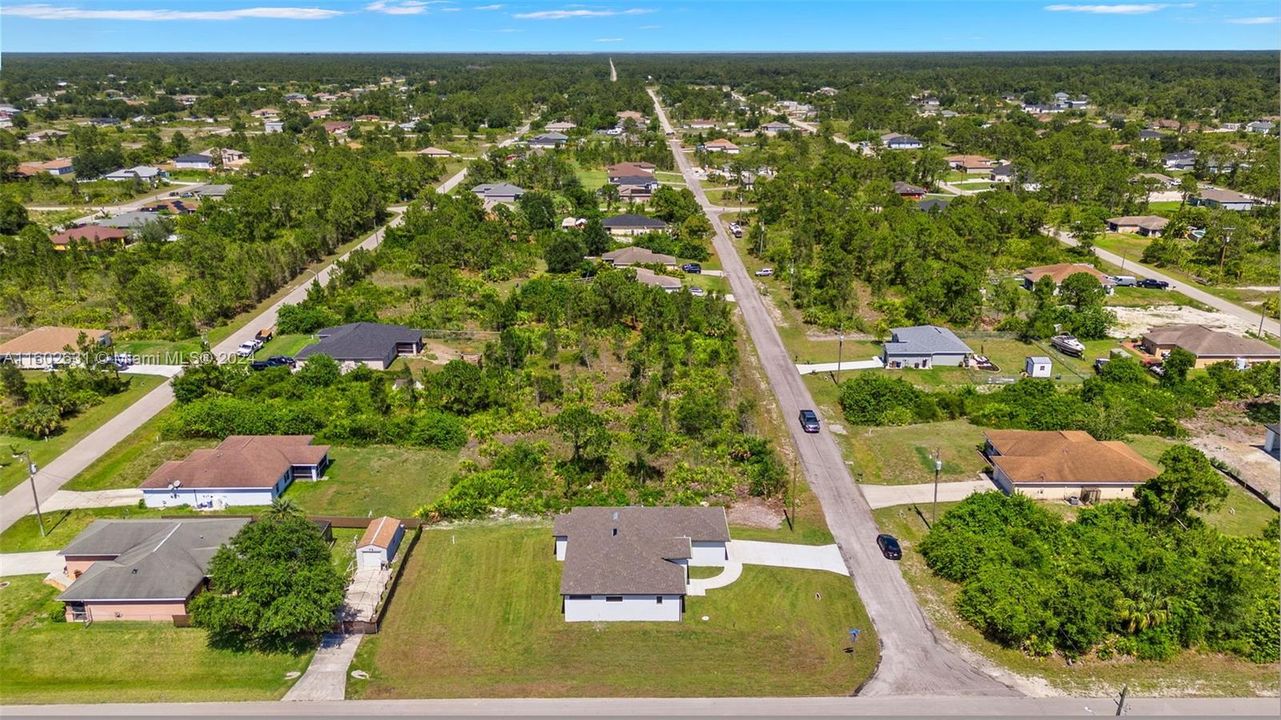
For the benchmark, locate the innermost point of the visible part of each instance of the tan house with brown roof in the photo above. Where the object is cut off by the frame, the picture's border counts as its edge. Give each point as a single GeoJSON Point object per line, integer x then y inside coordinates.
{"type": "Point", "coordinates": [1062, 271]}
{"type": "Point", "coordinates": [242, 470]}
{"type": "Point", "coordinates": [1145, 225]}
{"type": "Point", "coordinates": [721, 145]}
{"type": "Point", "coordinates": [47, 345]}
{"type": "Point", "coordinates": [970, 164]}
{"type": "Point", "coordinates": [1064, 463]}
{"type": "Point", "coordinates": [1209, 346]}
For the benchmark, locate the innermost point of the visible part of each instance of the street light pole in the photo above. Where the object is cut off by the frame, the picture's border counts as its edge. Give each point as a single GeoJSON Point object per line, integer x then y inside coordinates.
{"type": "Point", "coordinates": [31, 478]}
{"type": "Point", "coordinates": [938, 467]}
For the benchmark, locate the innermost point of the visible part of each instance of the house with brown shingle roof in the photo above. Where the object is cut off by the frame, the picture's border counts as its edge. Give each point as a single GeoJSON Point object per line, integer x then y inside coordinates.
{"type": "Point", "coordinates": [721, 145]}
{"type": "Point", "coordinates": [1209, 346]}
{"type": "Point", "coordinates": [92, 235]}
{"type": "Point", "coordinates": [46, 346]}
{"type": "Point", "coordinates": [1062, 271]}
{"type": "Point", "coordinates": [976, 164]}
{"type": "Point", "coordinates": [632, 563]}
{"type": "Point", "coordinates": [242, 470]}
{"type": "Point", "coordinates": [1064, 463]}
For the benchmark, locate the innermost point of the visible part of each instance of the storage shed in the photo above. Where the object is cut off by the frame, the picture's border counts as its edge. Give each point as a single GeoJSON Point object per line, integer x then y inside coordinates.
{"type": "Point", "coordinates": [379, 543]}
{"type": "Point", "coordinates": [1038, 366]}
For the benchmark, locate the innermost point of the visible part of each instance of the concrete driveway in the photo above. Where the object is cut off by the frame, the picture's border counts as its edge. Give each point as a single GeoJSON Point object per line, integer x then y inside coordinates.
{"type": "Point", "coordinates": [326, 676]}
{"type": "Point", "coordinates": [879, 496]}
{"type": "Point", "coordinates": [788, 555]}
{"type": "Point", "coordinates": [70, 500]}
{"type": "Point", "coordinates": [30, 563]}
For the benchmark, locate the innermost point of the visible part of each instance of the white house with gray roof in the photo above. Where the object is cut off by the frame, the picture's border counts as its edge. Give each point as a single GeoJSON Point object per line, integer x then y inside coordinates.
{"type": "Point", "coordinates": [632, 563]}
{"type": "Point", "coordinates": [923, 347]}
{"type": "Point", "coordinates": [375, 345]}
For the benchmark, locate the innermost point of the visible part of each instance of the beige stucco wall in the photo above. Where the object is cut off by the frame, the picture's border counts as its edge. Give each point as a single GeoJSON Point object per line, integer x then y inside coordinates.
{"type": "Point", "coordinates": [147, 611]}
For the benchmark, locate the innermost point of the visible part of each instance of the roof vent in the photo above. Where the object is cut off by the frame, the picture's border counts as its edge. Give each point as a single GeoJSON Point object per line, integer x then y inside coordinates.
{"type": "Point", "coordinates": [134, 571]}
{"type": "Point", "coordinates": [615, 533]}
{"type": "Point", "coordinates": [615, 516]}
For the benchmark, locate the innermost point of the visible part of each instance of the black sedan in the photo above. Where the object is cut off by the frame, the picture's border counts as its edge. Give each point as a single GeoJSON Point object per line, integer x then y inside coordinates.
{"type": "Point", "coordinates": [692, 268]}
{"type": "Point", "coordinates": [889, 547]}
{"type": "Point", "coordinates": [1152, 284]}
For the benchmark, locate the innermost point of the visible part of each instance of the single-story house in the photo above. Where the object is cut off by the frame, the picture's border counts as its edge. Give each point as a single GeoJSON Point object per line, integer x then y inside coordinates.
{"type": "Point", "coordinates": [1147, 134]}
{"type": "Point", "coordinates": [630, 115]}
{"type": "Point", "coordinates": [193, 162]}
{"type": "Point", "coordinates": [435, 152]}
{"type": "Point", "coordinates": [619, 172]}
{"type": "Point", "coordinates": [104, 121]}
{"type": "Point", "coordinates": [145, 173]}
{"type": "Point", "coordinates": [372, 344]}
{"type": "Point", "coordinates": [774, 128]}
{"type": "Point", "coordinates": [970, 164]}
{"type": "Point", "coordinates": [1181, 160]}
{"type": "Point", "coordinates": [632, 563]}
{"type": "Point", "coordinates": [630, 224]}
{"type": "Point", "coordinates": [701, 124]}
{"type": "Point", "coordinates": [549, 140]}
{"type": "Point", "coordinates": [632, 255]}
{"type": "Point", "coordinates": [140, 569]}
{"type": "Point", "coordinates": [58, 167]}
{"type": "Point", "coordinates": [1259, 126]}
{"type": "Point", "coordinates": [128, 220]}
{"type": "Point", "coordinates": [560, 126]}
{"type": "Point", "coordinates": [377, 547]}
{"type": "Point", "coordinates": [1062, 271]}
{"type": "Point", "coordinates": [242, 470]}
{"type": "Point", "coordinates": [1209, 346]}
{"type": "Point", "coordinates": [337, 127]}
{"type": "Point", "coordinates": [1271, 441]}
{"type": "Point", "coordinates": [47, 345]}
{"type": "Point", "coordinates": [93, 235]}
{"type": "Point", "coordinates": [1145, 225]}
{"type": "Point", "coordinates": [271, 127]}
{"type": "Point", "coordinates": [1001, 173]}
{"type": "Point", "coordinates": [923, 347]}
{"type": "Point", "coordinates": [1223, 199]}
{"type": "Point", "coordinates": [930, 204]}
{"type": "Point", "coordinates": [211, 191]}
{"type": "Point", "coordinates": [666, 283]}
{"type": "Point", "coordinates": [896, 141]}
{"type": "Point", "coordinates": [721, 145]}
{"type": "Point", "coordinates": [1062, 463]}
{"type": "Point", "coordinates": [909, 191]}
{"type": "Point", "coordinates": [494, 193]}
{"type": "Point", "coordinates": [266, 113]}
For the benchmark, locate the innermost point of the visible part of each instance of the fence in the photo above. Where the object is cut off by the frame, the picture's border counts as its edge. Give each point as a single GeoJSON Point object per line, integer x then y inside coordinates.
{"type": "Point", "coordinates": [371, 627]}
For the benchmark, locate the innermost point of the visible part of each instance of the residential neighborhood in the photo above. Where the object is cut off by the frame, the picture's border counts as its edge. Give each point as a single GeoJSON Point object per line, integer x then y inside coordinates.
{"type": "Point", "coordinates": [548, 379]}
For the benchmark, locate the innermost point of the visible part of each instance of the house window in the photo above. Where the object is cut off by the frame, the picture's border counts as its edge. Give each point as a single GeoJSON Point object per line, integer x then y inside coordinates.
{"type": "Point", "coordinates": [613, 598]}
{"type": "Point", "coordinates": [658, 600]}
{"type": "Point", "coordinates": [580, 597]}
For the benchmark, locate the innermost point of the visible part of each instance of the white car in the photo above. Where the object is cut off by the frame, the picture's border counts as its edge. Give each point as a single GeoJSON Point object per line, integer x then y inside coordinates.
{"type": "Point", "coordinates": [246, 349]}
{"type": "Point", "coordinates": [765, 272]}
{"type": "Point", "coordinates": [697, 291]}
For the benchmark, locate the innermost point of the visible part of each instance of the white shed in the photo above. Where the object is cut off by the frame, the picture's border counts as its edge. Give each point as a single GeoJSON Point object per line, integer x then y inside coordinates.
{"type": "Point", "coordinates": [1038, 366]}
{"type": "Point", "coordinates": [378, 545]}
{"type": "Point", "coordinates": [1270, 443]}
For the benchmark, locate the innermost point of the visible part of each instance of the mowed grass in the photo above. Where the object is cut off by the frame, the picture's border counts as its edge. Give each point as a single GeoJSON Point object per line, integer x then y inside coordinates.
{"type": "Point", "coordinates": [76, 428]}
{"type": "Point", "coordinates": [477, 614]}
{"type": "Point", "coordinates": [376, 480]}
{"type": "Point", "coordinates": [905, 455]}
{"type": "Point", "coordinates": [285, 345]}
{"type": "Point", "coordinates": [42, 661]}
{"type": "Point", "coordinates": [1190, 673]}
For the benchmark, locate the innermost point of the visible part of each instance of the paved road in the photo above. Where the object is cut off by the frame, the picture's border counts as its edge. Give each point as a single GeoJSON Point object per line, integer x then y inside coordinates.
{"type": "Point", "coordinates": [936, 706]}
{"type": "Point", "coordinates": [913, 659]}
{"type": "Point", "coordinates": [30, 563]}
{"type": "Point", "coordinates": [18, 501]}
{"type": "Point", "coordinates": [1251, 316]}
{"type": "Point", "coordinates": [121, 208]}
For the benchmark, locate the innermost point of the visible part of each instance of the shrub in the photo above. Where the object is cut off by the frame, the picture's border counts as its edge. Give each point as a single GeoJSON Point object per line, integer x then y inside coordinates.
{"type": "Point", "coordinates": [866, 398]}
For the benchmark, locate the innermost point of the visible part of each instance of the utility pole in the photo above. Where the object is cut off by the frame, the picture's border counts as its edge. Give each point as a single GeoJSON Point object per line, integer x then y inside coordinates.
{"type": "Point", "coordinates": [1120, 704]}
{"type": "Point", "coordinates": [31, 478]}
{"type": "Point", "coordinates": [1223, 251]}
{"type": "Point", "coordinates": [791, 516]}
{"type": "Point", "coordinates": [938, 467]}
{"type": "Point", "coordinates": [840, 347]}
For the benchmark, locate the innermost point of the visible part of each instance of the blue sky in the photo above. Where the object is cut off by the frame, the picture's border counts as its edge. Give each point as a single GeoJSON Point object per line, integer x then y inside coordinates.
{"type": "Point", "coordinates": [618, 26]}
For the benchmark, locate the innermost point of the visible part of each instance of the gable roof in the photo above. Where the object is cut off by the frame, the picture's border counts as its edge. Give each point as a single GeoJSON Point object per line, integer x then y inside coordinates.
{"type": "Point", "coordinates": [645, 276]}
{"type": "Point", "coordinates": [361, 341]}
{"type": "Point", "coordinates": [150, 559]}
{"type": "Point", "coordinates": [903, 188]}
{"type": "Point", "coordinates": [1147, 222]}
{"type": "Point", "coordinates": [93, 234]}
{"type": "Point", "coordinates": [194, 159]}
{"type": "Point", "coordinates": [1066, 456]}
{"type": "Point", "coordinates": [925, 340]}
{"type": "Point", "coordinates": [132, 219]}
{"type": "Point", "coordinates": [502, 189]}
{"type": "Point", "coordinates": [1204, 342]}
{"type": "Point", "coordinates": [632, 255]}
{"type": "Point", "coordinates": [630, 169]}
{"type": "Point", "coordinates": [1062, 271]}
{"type": "Point", "coordinates": [47, 339]}
{"type": "Point", "coordinates": [633, 221]}
{"type": "Point", "coordinates": [240, 461]}
{"type": "Point", "coordinates": [380, 533]}
{"type": "Point", "coordinates": [628, 550]}
{"type": "Point", "coordinates": [720, 143]}
{"type": "Point", "coordinates": [1220, 195]}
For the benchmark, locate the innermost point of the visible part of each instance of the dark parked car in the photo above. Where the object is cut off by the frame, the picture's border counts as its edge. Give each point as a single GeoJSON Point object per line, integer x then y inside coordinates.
{"type": "Point", "coordinates": [809, 421]}
{"type": "Point", "coordinates": [278, 360]}
{"type": "Point", "coordinates": [1153, 284]}
{"type": "Point", "coordinates": [889, 547]}
{"type": "Point", "coordinates": [259, 365]}
{"type": "Point", "coordinates": [692, 268]}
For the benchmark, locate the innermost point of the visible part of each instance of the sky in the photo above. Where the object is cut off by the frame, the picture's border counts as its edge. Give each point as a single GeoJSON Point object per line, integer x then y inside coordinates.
{"type": "Point", "coordinates": [622, 26]}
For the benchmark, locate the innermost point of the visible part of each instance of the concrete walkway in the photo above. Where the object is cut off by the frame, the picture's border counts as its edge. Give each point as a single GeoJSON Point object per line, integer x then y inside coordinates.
{"type": "Point", "coordinates": [71, 500]}
{"type": "Point", "coordinates": [811, 368]}
{"type": "Point", "coordinates": [30, 563]}
{"type": "Point", "coordinates": [700, 586]}
{"type": "Point", "coordinates": [364, 592]}
{"type": "Point", "coordinates": [879, 496]}
{"type": "Point", "coordinates": [326, 676]}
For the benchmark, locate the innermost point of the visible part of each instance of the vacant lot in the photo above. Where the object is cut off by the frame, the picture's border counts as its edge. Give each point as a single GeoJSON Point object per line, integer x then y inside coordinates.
{"type": "Point", "coordinates": [42, 661]}
{"type": "Point", "coordinates": [905, 455]}
{"type": "Point", "coordinates": [42, 451]}
{"type": "Point", "coordinates": [477, 614]}
{"type": "Point", "coordinates": [376, 480]}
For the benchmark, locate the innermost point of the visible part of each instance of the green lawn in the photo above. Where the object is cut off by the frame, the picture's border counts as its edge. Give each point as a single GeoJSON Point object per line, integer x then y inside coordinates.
{"type": "Point", "coordinates": [592, 178]}
{"type": "Point", "coordinates": [905, 455]}
{"type": "Point", "coordinates": [43, 451]}
{"type": "Point", "coordinates": [343, 551]}
{"type": "Point", "coordinates": [42, 661]}
{"type": "Point", "coordinates": [1188, 674]}
{"type": "Point", "coordinates": [1143, 297]}
{"type": "Point", "coordinates": [379, 480]}
{"type": "Point", "coordinates": [285, 345]}
{"type": "Point", "coordinates": [477, 614]}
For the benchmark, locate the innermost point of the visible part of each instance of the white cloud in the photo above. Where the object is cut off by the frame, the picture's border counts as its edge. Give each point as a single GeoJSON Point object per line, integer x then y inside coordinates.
{"type": "Point", "coordinates": [570, 14]}
{"type": "Point", "coordinates": [490, 7]}
{"type": "Point", "coordinates": [53, 12]}
{"type": "Point", "coordinates": [401, 7]}
{"type": "Point", "coordinates": [1123, 9]}
{"type": "Point", "coordinates": [649, 27]}
{"type": "Point", "coordinates": [609, 40]}
{"type": "Point", "coordinates": [1263, 20]}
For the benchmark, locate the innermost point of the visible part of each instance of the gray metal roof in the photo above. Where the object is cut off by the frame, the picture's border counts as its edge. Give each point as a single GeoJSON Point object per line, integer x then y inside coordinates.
{"type": "Point", "coordinates": [361, 341]}
{"type": "Point", "coordinates": [922, 340]}
{"type": "Point", "coordinates": [491, 190]}
{"type": "Point", "coordinates": [129, 219]}
{"type": "Point", "coordinates": [633, 221]}
{"type": "Point", "coordinates": [147, 559]}
{"type": "Point", "coordinates": [628, 550]}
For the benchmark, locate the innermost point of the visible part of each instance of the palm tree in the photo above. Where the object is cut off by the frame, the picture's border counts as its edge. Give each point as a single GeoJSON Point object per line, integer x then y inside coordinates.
{"type": "Point", "coordinates": [280, 507]}
{"type": "Point", "coordinates": [1147, 610]}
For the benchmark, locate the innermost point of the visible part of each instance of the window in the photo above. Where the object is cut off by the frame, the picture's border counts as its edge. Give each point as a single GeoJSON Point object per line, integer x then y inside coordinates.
{"type": "Point", "coordinates": [613, 598]}
{"type": "Point", "coordinates": [658, 600]}
{"type": "Point", "coordinates": [580, 597]}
